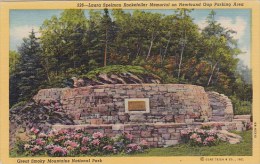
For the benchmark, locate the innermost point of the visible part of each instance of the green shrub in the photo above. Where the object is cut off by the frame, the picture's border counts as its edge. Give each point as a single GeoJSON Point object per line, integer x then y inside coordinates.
{"type": "Point", "coordinates": [241, 107]}
{"type": "Point", "coordinates": [115, 69]}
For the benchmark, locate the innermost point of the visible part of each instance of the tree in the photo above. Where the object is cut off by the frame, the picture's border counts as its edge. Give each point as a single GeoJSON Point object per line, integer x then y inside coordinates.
{"type": "Point", "coordinates": [188, 35]}
{"type": "Point", "coordinates": [14, 58]}
{"type": "Point", "coordinates": [220, 48]}
{"type": "Point", "coordinates": [107, 33]}
{"type": "Point", "coordinates": [29, 75]}
{"type": "Point", "coordinates": [63, 41]}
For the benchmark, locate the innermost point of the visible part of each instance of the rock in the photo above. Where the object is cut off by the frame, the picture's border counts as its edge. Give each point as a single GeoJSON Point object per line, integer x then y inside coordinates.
{"type": "Point", "coordinates": [23, 118]}
{"type": "Point", "coordinates": [171, 142]}
{"type": "Point", "coordinates": [232, 138]}
{"type": "Point", "coordinates": [234, 141]}
{"type": "Point", "coordinates": [145, 134]}
{"type": "Point", "coordinates": [137, 118]}
{"type": "Point", "coordinates": [242, 117]}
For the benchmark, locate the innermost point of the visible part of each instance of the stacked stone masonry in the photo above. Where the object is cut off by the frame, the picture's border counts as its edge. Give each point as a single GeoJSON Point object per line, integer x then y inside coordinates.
{"type": "Point", "coordinates": [105, 104]}
{"type": "Point", "coordinates": [157, 135]}
{"type": "Point", "coordinates": [222, 108]}
{"type": "Point", "coordinates": [172, 108]}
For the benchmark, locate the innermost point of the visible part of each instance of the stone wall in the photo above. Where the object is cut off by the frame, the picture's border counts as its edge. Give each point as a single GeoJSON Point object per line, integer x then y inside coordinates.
{"type": "Point", "coordinates": [222, 108]}
{"type": "Point", "coordinates": [104, 104]}
{"type": "Point", "coordinates": [157, 135]}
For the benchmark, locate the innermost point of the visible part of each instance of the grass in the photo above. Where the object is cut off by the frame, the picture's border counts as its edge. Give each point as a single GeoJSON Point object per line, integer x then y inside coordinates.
{"type": "Point", "coordinates": [223, 149]}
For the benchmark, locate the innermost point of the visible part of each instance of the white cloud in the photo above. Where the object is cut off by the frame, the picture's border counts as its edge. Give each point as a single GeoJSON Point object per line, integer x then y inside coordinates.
{"type": "Point", "coordinates": [246, 56]}
{"type": "Point", "coordinates": [238, 25]}
{"type": "Point", "coordinates": [19, 32]}
{"type": "Point", "coordinates": [202, 23]}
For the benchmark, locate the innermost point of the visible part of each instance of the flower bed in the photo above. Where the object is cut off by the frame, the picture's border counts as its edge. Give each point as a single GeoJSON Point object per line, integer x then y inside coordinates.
{"type": "Point", "coordinates": [67, 142]}
{"type": "Point", "coordinates": [200, 137]}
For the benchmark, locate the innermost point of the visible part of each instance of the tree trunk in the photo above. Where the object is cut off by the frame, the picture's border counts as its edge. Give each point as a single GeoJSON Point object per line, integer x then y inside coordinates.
{"type": "Point", "coordinates": [212, 72]}
{"type": "Point", "coordinates": [150, 48]}
{"type": "Point", "coordinates": [105, 53]}
{"type": "Point", "coordinates": [46, 70]}
{"type": "Point", "coordinates": [166, 48]}
{"type": "Point", "coordinates": [182, 50]}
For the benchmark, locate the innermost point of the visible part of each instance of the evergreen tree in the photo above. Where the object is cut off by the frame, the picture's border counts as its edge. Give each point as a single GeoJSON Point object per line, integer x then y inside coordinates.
{"type": "Point", "coordinates": [107, 34]}
{"type": "Point", "coordinates": [30, 75]}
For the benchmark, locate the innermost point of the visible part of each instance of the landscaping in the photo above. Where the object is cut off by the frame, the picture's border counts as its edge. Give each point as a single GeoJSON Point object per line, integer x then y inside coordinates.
{"type": "Point", "coordinates": [79, 143]}
{"type": "Point", "coordinates": [222, 149]}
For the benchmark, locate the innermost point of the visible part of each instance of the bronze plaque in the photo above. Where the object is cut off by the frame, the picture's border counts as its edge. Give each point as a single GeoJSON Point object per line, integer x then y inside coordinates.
{"type": "Point", "coordinates": [136, 106]}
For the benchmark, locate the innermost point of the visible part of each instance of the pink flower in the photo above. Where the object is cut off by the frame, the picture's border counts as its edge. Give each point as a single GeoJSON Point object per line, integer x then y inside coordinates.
{"type": "Point", "coordinates": [36, 149]}
{"type": "Point", "coordinates": [201, 131]}
{"type": "Point", "coordinates": [108, 148]}
{"type": "Point", "coordinates": [61, 138]}
{"type": "Point", "coordinates": [34, 130]}
{"type": "Point", "coordinates": [85, 140]}
{"type": "Point", "coordinates": [40, 142]}
{"type": "Point", "coordinates": [210, 139]}
{"type": "Point", "coordinates": [194, 136]}
{"type": "Point", "coordinates": [97, 135]}
{"type": "Point", "coordinates": [71, 144]}
{"type": "Point", "coordinates": [211, 132]}
{"type": "Point", "coordinates": [84, 149]}
{"type": "Point", "coordinates": [184, 132]}
{"type": "Point", "coordinates": [59, 150]}
{"type": "Point", "coordinates": [95, 142]}
{"type": "Point", "coordinates": [77, 136]}
{"type": "Point", "coordinates": [48, 147]}
{"type": "Point", "coordinates": [42, 135]}
{"type": "Point", "coordinates": [199, 140]}
{"type": "Point", "coordinates": [144, 143]}
{"type": "Point", "coordinates": [53, 133]}
{"type": "Point", "coordinates": [129, 136]}
{"type": "Point", "coordinates": [133, 146]}
{"type": "Point", "coordinates": [63, 131]}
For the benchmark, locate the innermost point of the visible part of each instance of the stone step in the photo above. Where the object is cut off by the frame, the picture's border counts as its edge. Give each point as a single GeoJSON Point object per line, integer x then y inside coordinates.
{"type": "Point", "coordinates": [241, 120]}
{"type": "Point", "coordinates": [242, 116]}
{"type": "Point", "coordinates": [215, 112]}
{"type": "Point", "coordinates": [218, 118]}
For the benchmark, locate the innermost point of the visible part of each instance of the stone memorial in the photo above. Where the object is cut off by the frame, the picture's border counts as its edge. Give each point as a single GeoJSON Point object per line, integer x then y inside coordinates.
{"type": "Point", "coordinates": [154, 112]}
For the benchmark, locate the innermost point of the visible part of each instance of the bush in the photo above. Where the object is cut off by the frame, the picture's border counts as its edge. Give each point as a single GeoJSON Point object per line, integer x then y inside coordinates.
{"type": "Point", "coordinates": [77, 142]}
{"type": "Point", "coordinates": [200, 137]}
{"type": "Point", "coordinates": [115, 69]}
{"type": "Point", "coordinates": [241, 107]}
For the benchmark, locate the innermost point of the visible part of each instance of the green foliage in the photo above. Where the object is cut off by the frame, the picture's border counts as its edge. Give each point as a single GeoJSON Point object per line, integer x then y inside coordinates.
{"type": "Point", "coordinates": [241, 107]}
{"type": "Point", "coordinates": [14, 58]}
{"type": "Point", "coordinates": [223, 149]}
{"type": "Point", "coordinates": [21, 103]}
{"type": "Point", "coordinates": [170, 46]}
{"type": "Point", "coordinates": [76, 143]}
{"type": "Point", "coordinates": [29, 74]}
{"type": "Point", "coordinates": [115, 69]}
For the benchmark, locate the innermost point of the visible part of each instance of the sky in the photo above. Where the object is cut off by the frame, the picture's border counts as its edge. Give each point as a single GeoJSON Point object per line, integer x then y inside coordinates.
{"type": "Point", "coordinates": [22, 22]}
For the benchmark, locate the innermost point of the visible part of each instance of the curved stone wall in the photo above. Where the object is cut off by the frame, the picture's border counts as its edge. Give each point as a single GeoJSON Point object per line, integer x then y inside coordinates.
{"type": "Point", "coordinates": [105, 104]}
{"type": "Point", "coordinates": [222, 108]}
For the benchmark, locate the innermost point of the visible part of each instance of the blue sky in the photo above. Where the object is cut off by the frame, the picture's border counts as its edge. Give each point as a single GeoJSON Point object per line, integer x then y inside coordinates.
{"type": "Point", "coordinates": [22, 21]}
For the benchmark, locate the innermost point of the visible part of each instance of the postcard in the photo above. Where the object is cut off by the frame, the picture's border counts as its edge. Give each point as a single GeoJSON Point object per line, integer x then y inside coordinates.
{"type": "Point", "coordinates": [102, 82]}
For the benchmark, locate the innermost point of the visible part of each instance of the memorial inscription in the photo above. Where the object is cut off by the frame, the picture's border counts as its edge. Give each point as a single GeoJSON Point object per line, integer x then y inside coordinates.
{"type": "Point", "coordinates": [137, 105]}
